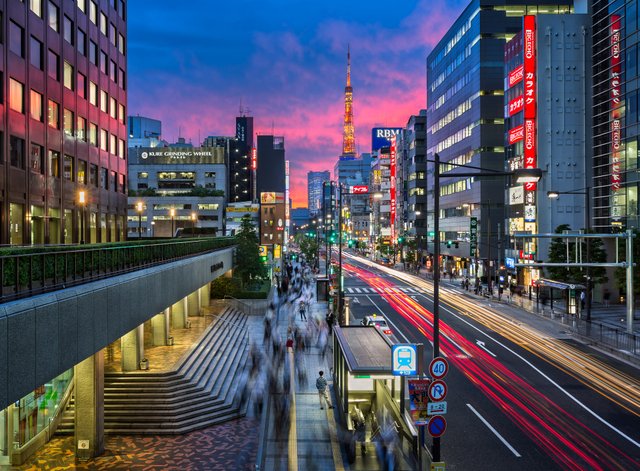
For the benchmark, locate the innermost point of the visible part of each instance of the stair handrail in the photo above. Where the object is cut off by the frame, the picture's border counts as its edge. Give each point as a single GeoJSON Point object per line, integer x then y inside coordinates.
{"type": "Point", "coordinates": [247, 308]}
{"type": "Point", "coordinates": [221, 318]}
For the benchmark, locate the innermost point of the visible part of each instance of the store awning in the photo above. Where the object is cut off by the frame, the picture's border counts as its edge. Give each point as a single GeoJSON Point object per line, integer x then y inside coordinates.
{"type": "Point", "coordinates": [558, 284]}
{"type": "Point", "coordinates": [366, 350]}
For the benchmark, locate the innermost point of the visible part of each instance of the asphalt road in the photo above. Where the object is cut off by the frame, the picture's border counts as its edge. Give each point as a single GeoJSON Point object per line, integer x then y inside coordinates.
{"type": "Point", "coordinates": [518, 398]}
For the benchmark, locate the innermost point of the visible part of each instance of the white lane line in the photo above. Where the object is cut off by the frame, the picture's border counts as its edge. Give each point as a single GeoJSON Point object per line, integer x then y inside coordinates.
{"type": "Point", "coordinates": [395, 327]}
{"type": "Point", "coordinates": [349, 290]}
{"type": "Point", "coordinates": [495, 432]}
{"type": "Point", "coordinates": [358, 290]}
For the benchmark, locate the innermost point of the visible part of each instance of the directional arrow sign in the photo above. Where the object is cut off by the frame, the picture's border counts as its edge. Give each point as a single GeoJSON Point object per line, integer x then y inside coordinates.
{"type": "Point", "coordinates": [355, 300]}
{"type": "Point", "coordinates": [437, 390]}
{"type": "Point", "coordinates": [481, 345]}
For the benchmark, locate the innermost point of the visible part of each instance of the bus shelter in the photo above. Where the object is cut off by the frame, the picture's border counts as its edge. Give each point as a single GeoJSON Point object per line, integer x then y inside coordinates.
{"type": "Point", "coordinates": [565, 295]}
{"type": "Point", "coordinates": [365, 386]}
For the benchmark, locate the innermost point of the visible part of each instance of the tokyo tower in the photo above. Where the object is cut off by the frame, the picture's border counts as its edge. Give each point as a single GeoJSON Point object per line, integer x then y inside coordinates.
{"type": "Point", "coordinates": [348, 133]}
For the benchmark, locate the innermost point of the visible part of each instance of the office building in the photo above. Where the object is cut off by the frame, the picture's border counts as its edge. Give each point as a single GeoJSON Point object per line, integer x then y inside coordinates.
{"type": "Point", "coordinates": [314, 190]}
{"type": "Point", "coordinates": [465, 122]}
{"type": "Point", "coordinates": [270, 171]}
{"type": "Point", "coordinates": [64, 123]}
{"type": "Point", "coordinates": [144, 132]}
{"type": "Point", "coordinates": [176, 188]}
{"type": "Point", "coordinates": [546, 126]}
{"type": "Point", "coordinates": [234, 213]}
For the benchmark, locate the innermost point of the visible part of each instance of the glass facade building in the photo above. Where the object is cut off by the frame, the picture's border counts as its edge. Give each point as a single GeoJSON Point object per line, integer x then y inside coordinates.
{"type": "Point", "coordinates": [314, 190]}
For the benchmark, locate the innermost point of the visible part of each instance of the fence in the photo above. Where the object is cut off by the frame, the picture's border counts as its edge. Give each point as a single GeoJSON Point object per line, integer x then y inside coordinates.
{"type": "Point", "coordinates": [30, 271]}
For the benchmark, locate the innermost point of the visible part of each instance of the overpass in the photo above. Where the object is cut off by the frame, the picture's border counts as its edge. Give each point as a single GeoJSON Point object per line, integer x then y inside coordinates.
{"type": "Point", "coordinates": [63, 305]}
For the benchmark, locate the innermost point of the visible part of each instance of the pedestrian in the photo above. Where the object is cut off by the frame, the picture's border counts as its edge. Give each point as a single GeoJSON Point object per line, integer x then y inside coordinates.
{"type": "Point", "coordinates": [321, 386]}
{"type": "Point", "coordinates": [582, 300]}
{"type": "Point", "coordinates": [606, 296]}
{"type": "Point", "coordinates": [303, 311]}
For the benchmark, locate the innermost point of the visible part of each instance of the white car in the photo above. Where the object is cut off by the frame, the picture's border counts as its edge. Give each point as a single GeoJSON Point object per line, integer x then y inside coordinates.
{"type": "Point", "coordinates": [378, 322]}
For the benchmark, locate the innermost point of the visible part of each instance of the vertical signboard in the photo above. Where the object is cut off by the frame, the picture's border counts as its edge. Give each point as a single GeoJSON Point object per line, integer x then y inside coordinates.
{"type": "Point", "coordinates": [616, 116]}
{"type": "Point", "coordinates": [530, 96]}
{"type": "Point", "coordinates": [392, 172]}
{"type": "Point", "coordinates": [473, 236]}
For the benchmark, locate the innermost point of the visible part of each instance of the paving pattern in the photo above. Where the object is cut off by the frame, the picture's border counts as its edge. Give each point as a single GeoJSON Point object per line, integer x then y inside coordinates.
{"type": "Point", "coordinates": [230, 446]}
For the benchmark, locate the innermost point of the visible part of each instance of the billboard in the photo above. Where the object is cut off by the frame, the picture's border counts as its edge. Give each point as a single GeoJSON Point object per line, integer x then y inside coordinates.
{"type": "Point", "coordinates": [530, 154]}
{"type": "Point", "coordinates": [271, 197]}
{"type": "Point", "coordinates": [359, 189]}
{"type": "Point", "coordinates": [392, 171]}
{"type": "Point", "coordinates": [381, 137]}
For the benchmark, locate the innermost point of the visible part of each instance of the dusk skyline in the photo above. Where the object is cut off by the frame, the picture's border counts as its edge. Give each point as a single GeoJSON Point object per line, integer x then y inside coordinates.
{"type": "Point", "coordinates": [287, 66]}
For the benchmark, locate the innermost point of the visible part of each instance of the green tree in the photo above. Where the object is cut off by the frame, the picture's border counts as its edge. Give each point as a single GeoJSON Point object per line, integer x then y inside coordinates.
{"type": "Point", "coordinates": [248, 263]}
{"type": "Point", "coordinates": [308, 246]}
{"type": "Point", "coordinates": [558, 254]}
{"type": "Point", "coordinates": [621, 273]}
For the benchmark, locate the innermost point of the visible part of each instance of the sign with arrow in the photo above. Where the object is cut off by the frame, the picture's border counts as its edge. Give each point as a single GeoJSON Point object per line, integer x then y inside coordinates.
{"type": "Point", "coordinates": [480, 344]}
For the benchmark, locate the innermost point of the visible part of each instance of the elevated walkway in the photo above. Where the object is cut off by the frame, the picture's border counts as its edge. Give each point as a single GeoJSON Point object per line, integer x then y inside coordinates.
{"type": "Point", "coordinates": [197, 391]}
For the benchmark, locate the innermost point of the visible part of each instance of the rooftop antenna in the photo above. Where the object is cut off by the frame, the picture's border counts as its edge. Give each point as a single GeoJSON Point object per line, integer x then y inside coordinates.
{"type": "Point", "coordinates": [272, 127]}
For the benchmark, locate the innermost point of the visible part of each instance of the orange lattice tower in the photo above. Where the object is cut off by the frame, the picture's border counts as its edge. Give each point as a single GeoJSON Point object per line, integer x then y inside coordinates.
{"type": "Point", "coordinates": [348, 133]}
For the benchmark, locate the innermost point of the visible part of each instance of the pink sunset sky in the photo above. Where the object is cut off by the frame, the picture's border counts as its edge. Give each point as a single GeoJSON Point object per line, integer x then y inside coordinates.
{"type": "Point", "coordinates": [191, 65]}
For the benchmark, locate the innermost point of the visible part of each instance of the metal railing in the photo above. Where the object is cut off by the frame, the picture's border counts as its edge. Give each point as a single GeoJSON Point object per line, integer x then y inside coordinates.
{"type": "Point", "coordinates": [29, 272]}
{"type": "Point", "coordinates": [254, 308]}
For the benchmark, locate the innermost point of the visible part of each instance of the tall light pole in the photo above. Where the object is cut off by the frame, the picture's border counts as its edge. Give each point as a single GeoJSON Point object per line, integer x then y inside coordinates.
{"type": "Point", "coordinates": [139, 208]}
{"type": "Point", "coordinates": [82, 201]}
{"type": "Point", "coordinates": [194, 217]}
{"type": "Point", "coordinates": [587, 226]}
{"type": "Point", "coordinates": [521, 176]}
{"type": "Point", "coordinates": [172, 213]}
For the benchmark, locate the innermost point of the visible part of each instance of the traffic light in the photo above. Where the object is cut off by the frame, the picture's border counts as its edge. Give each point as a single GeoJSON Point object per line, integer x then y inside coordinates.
{"type": "Point", "coordinates": [452, 243]}
{"type": "Point", "coordinates": [263, 259]}
{"type": "Point", "coordinates": [400, 240]}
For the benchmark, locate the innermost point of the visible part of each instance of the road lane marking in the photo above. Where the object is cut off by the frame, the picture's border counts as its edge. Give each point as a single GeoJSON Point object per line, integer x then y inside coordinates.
{"type": "Point", "coordinates": [480, 344]}
{"type": "Point", "coordinates": [349, 290]}
{"type": "Point", "coordinates": [358, 290]}
{"type": "Point", "coordinates": [395, 327]}
{"type": "Point", "coordinates": [495, 432]}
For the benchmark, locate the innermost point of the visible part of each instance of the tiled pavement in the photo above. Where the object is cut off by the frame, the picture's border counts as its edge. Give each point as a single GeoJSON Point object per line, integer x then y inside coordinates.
{"type": "Point", "coordinates": [230, 446]}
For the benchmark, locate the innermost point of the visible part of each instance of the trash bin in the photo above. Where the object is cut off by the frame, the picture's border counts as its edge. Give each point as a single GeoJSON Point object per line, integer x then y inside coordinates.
{"type": "Point", "coordinates": [144, 364]}
{"type": "Point", "coordinates": [169, 341]}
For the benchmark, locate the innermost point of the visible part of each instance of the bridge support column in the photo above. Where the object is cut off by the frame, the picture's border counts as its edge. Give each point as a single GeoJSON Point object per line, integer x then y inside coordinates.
{"type": "Point", "coordinates": [89, 403]}
{"type": "Point", "coordinates": [160, 328]}
{"type": "Point", "coordinates": [133, 349]}
{"type": "Point", "coordinates": [193, 301]}
{"type": "Point", "coordinates": [179, 314]}
{"type": "Point", "coordinates": [205, 295]}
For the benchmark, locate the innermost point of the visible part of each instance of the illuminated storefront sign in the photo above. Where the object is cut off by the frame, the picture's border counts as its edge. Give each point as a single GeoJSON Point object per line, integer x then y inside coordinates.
{"type": "Point", "coordinates": [516, 75]}
{"type": "Point", "coordinates": [392, 171]}
{"type": "Point", "coordinates": [516, 105]}
{"type": "Point", "coordinates": [616, 79]}
{"type": "Point", "coordinates": [254, 158]}
{"type": "Point", "coordinates": [381, 137]}
{"type": "Point", "coordinates": [359, 189]}
{"type": "Point", "coordinates": [516, 134]}
{"type": "Point", "coordinates": [530, 160]}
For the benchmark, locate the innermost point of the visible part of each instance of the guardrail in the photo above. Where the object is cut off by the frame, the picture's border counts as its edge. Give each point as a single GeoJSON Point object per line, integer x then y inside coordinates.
{"type": "Point", "coordinates": [30, 271]}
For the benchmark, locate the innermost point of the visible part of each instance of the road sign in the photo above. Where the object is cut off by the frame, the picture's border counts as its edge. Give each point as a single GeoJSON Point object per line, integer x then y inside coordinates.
{"type": "Point", "coordinates": [262, 250]}
{"type": "Point", "coordinates": [436, 426]}
{"type": "Point", "coordinates": [473, 236]}
{"type": "Point", "coordinates": [438, 466]}
{"type": "Point", "coordinates": [437, 408]}
{"type": "Point", "coordinates": [438, 368]}
{"type": "Point", "coordinates": [418, 400]}
{"type": "Point", "coordinates": [437, 390]}
{"type": "Point", "coordinates": [359, 189]}
{"type": "Point", "coordinates": [404, 359]}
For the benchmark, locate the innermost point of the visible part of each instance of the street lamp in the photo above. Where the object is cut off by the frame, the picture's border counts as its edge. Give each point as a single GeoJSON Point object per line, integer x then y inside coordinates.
{"type": "Point", "coordinates": [522, 175]}
{"type": "Point", "coordinates": [82, 201]}
{"type": "Point", "coordinates": [139, 208]}
{"type": "Point", "coordinates": [194, 217]}
{"type": "Point", "coordinates": [587, 225]}
{"type": "Point", "coordinates": [172, 213]}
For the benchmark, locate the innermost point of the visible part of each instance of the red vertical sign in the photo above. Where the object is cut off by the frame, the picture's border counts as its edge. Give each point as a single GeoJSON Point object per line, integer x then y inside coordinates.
{"type": "Point", "coordinates": [392, 173]}
{"type": "Point", "coordinates": [616, 79]}
{"type": "Point", "coordinates": [530, 160]}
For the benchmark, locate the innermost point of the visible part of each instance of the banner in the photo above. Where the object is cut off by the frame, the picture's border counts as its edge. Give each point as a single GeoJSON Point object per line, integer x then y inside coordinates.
{"type": "Point", "coordinates": [473, 236]}
{"type": "Point", "coordinates": [516, 75]}
{"type": "Point", "coordinates": [419, 400]}
{"type": "Point", "coordinates": [530, 105]}
{"type": "Point", "coordinates": [392, 171]}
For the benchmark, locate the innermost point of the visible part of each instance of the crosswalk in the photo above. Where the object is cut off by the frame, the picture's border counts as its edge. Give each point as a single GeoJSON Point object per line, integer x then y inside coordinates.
{"type": "Point", "coordinates": [394, 290]}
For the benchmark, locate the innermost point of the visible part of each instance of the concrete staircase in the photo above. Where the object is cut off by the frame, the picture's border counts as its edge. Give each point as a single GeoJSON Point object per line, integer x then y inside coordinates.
{"type": "Point", "coordinates": [200, 392]}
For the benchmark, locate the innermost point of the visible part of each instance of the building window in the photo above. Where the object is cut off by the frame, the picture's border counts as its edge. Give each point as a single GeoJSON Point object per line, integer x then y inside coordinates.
{"type": "Point", "coordinates": [143, 175]}
{"type": "Point", "coordinates": [81, 128]}
{"type": "Point", "coordinates": [82, 42]}
{"type": "Point", "coordinates": [54, 17]}
{"type": "Point", "coordinates": [103, 23]}
{"type": "Point", "coordinates": [121, 148]}
{"type": "Point", "coordinates": [112, 144]}
{"type": "Point", "coordinates": [209, 174]}
{"type": "Point", "coordinates": [93, 53]}
{"type": "Point", "coordinates": [121, 79]}
{"type": "Point", "coordinates": [104, 101]}
{"type": "Point", "coordinates": [36, 7]}
{"type": "Point", "coordinates": [121, 44]}
{"type": "Point", "coordinates": [67, 30]}
{"type": "Point", "coordinates": [16, 95]}
{"type": "Point", "coordinates": [53, 113]}
{"type": "Point", "coordinates": [104, 60]}
{"type": "Point", "coordinates": [35, 53]}
{"type": "Point", "coordinates": [113, 74]}
{"type": "Point", "coordinates": [16, 151]}
{"type": "Point", "coordinates": [93, 175]}
{"type": "Point", "coordinates": [93, 12]}
{"type": "Point", "coordinates": [93, 134]}
{"type": "Point", "coordinates": [82, 5]}
{"type": "Point", "coordinates": [68, 122]}
{"type": "Point", "coordinates": [93, 93]}
{"type": "Point", "coordinates": [16, 39]}
{"type": "Point", "coordinates": [82, 172]}
{"type": "Point", "coordinates": [121, 116]}
{"type": "Point", "coordinates": [54, 164]}
{"type": "Point", "coordinates": [81, 85]}
{"type": "Point", "coordinates": [114, 181]}
{"type": "Point", "coordinates": [113, 108]}
{"type": "Point", "coordinates": [68, 167]}
{"type": "Point", "coordinates": [37, 158]}
{"type": "Point", "coordinates": [68, 75]}
{"type": "Point", "coordinates": [36, 106]}
{"type": "Point", "coordinates": [104, 182]}
{"type": "Point", "coordinates": [104, 139]}
{"type": "Point", "coordinates": [53, 65]}
{"type": "Point", "coordinates": [121, 9]}
{"type": "Point", "coordinates": [112, 33]}
{"type": "Point", "coordinates": [122, 185]}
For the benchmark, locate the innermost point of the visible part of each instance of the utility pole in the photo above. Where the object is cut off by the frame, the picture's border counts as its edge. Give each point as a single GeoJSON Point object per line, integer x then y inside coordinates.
{"type": "Point", "coordinates": [435, 449]}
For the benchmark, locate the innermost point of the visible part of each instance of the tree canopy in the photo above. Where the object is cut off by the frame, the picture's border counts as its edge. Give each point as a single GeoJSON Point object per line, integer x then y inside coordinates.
{"type": "Point", "coordinates": [248, 263]}
{"type": "Point", "coordinates": [558, 254]}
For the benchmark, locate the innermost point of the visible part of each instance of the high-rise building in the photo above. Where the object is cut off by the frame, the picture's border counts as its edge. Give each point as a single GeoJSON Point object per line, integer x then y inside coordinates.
{"type": "Point", "coordinates": [144, 132]}
{"type": "Point", "coordinates": [553, 137]}
{"type": "Point", "coordinates": [270, 172]}
{"type": "Point", "coordinates": [465, 121]}
{"type": "Point", "coordinates": [616, 124]}
{"type": "Point", "coordinates": [64, 128]}
{"type": "Point", "coordinates": [241, 162]}
{"type": "Point", "coordinates": [314, 190]}
{"type": "Point", "coordinates": [348, 133]}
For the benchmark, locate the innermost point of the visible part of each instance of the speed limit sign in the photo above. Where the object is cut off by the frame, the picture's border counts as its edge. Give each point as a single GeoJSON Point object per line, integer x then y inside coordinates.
{"type": "Point", "coordinates": [438, 368]}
